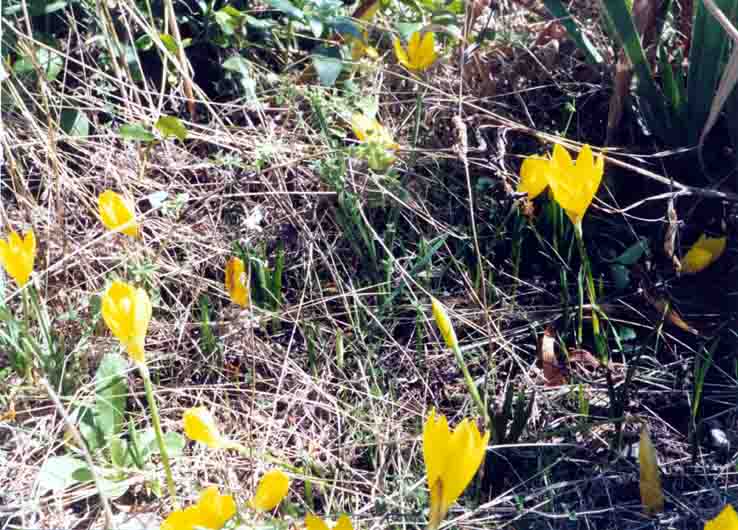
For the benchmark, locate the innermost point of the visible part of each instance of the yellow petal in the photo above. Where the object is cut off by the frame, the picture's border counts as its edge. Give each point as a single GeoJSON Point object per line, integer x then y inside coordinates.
{"type": "Point", "coordinates": [413, 46]}
{"type": "Point", "coordinates": [127, 310]}
{"type": "Point", "coordinates": [727, 519]}
{"type": "Point", "coordinates": [705, 252]}
{"type": "Point", "coordinates": [17, 256]}
{"type": "Point", "coordinates": [117, 214]}
{"type": "Point", "coordinates": [199, 425]}
{"type": "Point", "coordinates": [185, 519]}
{"type": "Point", "coordinates": [436, 438]}
{"type": "Point", "coordinates": [467, 450]}
{"type": "Point", "coordinates": [270, 491]}
{"type": "Point", "coordinates": [444, 324]}
{"type": "Point", "coordinates": [426, 52]}
{"type": "Point", "coordinates": [343, 523]}
{"type": "Point", "coordinates": [236, 281]}
{"type": "Point", "coordinates": [401, 54]}
{"type": "Point", "coordinates": [574, 186]}
{"type": "Point", "coordinates": [652, 496]}
{"type": "Point", "coordinates": [313, 522]}
{"type": "Point", "coordinates": [533, 176]}
{"type": "Point", "coordinates": [215, 509]}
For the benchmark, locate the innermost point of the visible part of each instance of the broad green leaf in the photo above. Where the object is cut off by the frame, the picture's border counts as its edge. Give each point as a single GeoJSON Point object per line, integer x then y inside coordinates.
{"type": "Point", "coordinates": [111, 392]}
{"type": "Point", "coordinates": [173, 441]}
{"type": "Point", "coordinates": [50, 62]}
{"type": "Point", "coordinates": [118, 452]}
{"type": "Point", "coordinates": [57, 472]}
{"type": "Point", "coordinates": [241, 66]}
{"type": "Point", "coordinates": [112, 487]}
{"type": "Point", "coordinates": [634, 252]}
{"type": "Point", "coordinates": [328, 64]}
{"type": "Point", "coordinates": [286, 7]}
{"type": "Point", "coordinates": [74, 122]}
{"type": "Point", "coordinates": [346, 27]}
{"type": "Point", "coordinates": [136, 131]}
{"type": "Point", "coordinates": [171, 126]}
{"type": "Point", "coordinates": [169, 43]}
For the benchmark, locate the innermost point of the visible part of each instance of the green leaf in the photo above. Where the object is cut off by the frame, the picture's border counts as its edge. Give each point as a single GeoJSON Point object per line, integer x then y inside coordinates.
{"type": "Point", "coordinates": [173, 441]}
{"type": "Point", "coordinates": [328, 64]}
{"type": "Point", "coordinates": [57, 472]}
{"type": "Point", "coordinates": [137, 132]}
{"type": "Point", "coordinates": [171, 126]}
{"type": "Point", "coordinates": [110, 487]}
{"type": "Point", "coordinates": [316, 26]}
{"type": "Point", "coordinates": [74, 122]}
{"type": "Point", "coordinates": [634, 252]}
{"type": "Point", "coordinates": [50, 62]}
{"type": "Point", "coordinates": [169, 43]}
{"type": "Point", "coordinates": [242, 68]}
{"type": "Point", "coordinates": [118, 452]}
{"type": "Point", "coordinates": [286, 7]}
{"type": "Point", "coordinates": [111, 391]}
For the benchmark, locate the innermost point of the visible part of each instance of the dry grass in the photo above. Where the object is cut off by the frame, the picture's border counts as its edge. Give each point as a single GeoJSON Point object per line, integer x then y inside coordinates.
{"type": "Point", "coordinates": [351, 430]}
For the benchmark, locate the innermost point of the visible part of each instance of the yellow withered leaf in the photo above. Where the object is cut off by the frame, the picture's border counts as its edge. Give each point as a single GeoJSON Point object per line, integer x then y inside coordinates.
{"type": "Point", "coordinates": [652, 495]}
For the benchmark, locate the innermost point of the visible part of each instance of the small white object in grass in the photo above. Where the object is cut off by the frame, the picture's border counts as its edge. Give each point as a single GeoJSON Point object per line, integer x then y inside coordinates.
{"type": "Point", "coordinates": [253, 221]}
{"type": "Point", "coordinates": [157, 198]}
{"type": "Point", "coordinates": [719, 439]}
{"type": "Point", "coordinates": [3, 73]}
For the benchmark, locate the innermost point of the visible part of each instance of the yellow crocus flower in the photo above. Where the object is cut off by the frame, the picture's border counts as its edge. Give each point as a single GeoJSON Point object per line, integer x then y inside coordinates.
{"type": "Point", "coordinates": [451, 461]}
{"type": "Point", "coordinates": [705, 252]}
{"type": "Point", "coordinates": [370, 130]}
{"type": "Point", "coordinates": [236, 281]}
{"type": "Point", "coordinates": [420, 53]}
{"type": "Point", "coordinates": [574, 184]}
{"type": "Point", "coordinates": [313, 522]}
{"type": "Point", "coordinates": [211, 511]}
{"type": "Point", "coordinates": [117, 214]}
{"type": "Point", "coordinates": [199, 425]}
{"type": "Point", "coordinates": [127, 311]}
{"type": "Point", "coordinates": [444, 324]}
{"type": "Point", "coordinates": [727, 519]}
{"type": "Point", "coordinates": [270, 491]}
{"type": "Point", "coordinates": [534, 176]}
{"type": "Point", "coordinates": [17, 255]}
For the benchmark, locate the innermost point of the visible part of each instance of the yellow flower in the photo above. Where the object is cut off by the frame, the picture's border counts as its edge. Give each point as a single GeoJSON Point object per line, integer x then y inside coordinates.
{"type": "Point", "coordinates": [420, 53]}
{"type": "Point", "coordinates": [444, 324]}
{"type": "Point", "coordinates": [726, 520]}
{"type": "Point", "coordinates": [212, 511]}
{"type": "Point", "coordinates": [370, 130]}
{"type": "Point", "coordinates": [534, 176]}
{"type": "Point", "coordinates": [236, 281]}
{"type": "Point", "coordinates": [127, 312]}
{"type": "Point", "coordinates": [574, 184]}
{"type": "Point", "coordinates": [313, 522]}
{"type": "Point", "coordinates": [451, 461]}
{"type": "Point", "coordinates": [199, 425]}
{"type": "Point", "coordinates": [703, 253]}
{"type": "Point", "coordinates": [270, 491]}
{"type": "Point", "coordinates": [117, 214]}
{"type": "Point", "coordinates": [17, 255]}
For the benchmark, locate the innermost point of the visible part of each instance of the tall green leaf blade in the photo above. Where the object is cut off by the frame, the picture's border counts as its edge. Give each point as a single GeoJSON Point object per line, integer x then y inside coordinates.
{"type": "Point", "coordinates": [111, 392]}
{"type": "Point", "coordinates": [706, 60]}
{"type": "Point", "coordinates": [653, 102]}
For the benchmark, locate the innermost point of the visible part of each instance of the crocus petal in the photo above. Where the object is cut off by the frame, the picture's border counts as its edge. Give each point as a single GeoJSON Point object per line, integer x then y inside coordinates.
{"type": "Point", "coordinates": [270, 491]}
{"type": "Point", "coordinates": [413, 46]}
{"type": "Point", "coordinates": [215, 509]}
{"type": "Point", "coordinates": [575, 185]}
{"type": "Point", "coordinates": [236, 281]}
{"type": "Point", "coordinates": [343, 523]}
{"type": "Point", "coordinates": [401, 54]}
{"type": "Point", "coordinates": [426, 52]}
{"type": "Point", "coordinates": [127, 311]}
{"type": "Point", "coordinates": [533, 176]}
{"type": "Point", "coordinates": [727, 519]}
{"type": "Point", "coordinates": [17, 256]}
{"type": "Point", "coordinates": [313, 522]}
{"type": "Point", "coordinates": [705, 252]}
{"type": "Point", "coordinates": [199, 425]}
{"type": "Point", "coordinates": [116, 213]}
{"type": "Point", "coordinates": [185, 519]}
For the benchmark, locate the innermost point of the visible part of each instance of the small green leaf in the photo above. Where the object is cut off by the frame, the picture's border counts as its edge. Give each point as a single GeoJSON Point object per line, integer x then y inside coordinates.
{"type": "Point", "coordinates": [110, 395]}
{"type": "Point", "coordinates": [57, 473]}
{"type": "Point", "coordinates": [173, 441]}
{"type": "Point", "coordinates": [74, 122]}
{"type": "Point", "coordinates": [136, 131]}
{"type": "Point", "coordinates": [316, 26]}
{"type": "Point", "coordinates": [633, 253]}
{"type": "Point", "coordinates": [50, 62]}
{"type": "Point", "coordinates": [328, 64]}
{"type": "Point", "coordinates": [171, 126]}
{"type": "Point", "coordinates": [118, 452]}
{"type": "Point", "coordinates": [169, 43]}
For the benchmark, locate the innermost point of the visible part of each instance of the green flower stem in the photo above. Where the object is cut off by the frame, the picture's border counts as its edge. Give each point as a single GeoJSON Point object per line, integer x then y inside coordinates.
{"type": "Point", "coordinates": [470, 384]}
{"type": "Point", "coordinates": [143, 369]}
{"type": "Point", "coordinates": [591, 292]}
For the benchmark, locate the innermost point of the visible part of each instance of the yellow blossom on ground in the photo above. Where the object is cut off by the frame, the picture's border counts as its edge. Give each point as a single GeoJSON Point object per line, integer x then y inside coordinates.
{"type": "Point", "coordinates": [313, 522]}
{"type": "Point", "coordinates": [127, 311]}
{"type": "Point", "coordinates": [17, 255]}
{"type": "Point", "coordinates": [574, 184]}
{"type": "Point", "coordinates": [270, 491]}
{"type": "Point", "coordinates": [211, 511]}
{"type": "Point", "coordinates": [117, 214]}
{"type": "Point", "coordinates": [727, 519]}
{"type": "Point", "coordinates": [420, 53]}
{"type": "Point", "coordinates": [199, 425]}
{"type": "Point", "coordinates": [444, 324]}
{"type": "Point", "coordinates": [452, 458]}
{"type": "Point", "coordinates": [705, 252]}
{"type": "Point", "coordinates": [236, 281]}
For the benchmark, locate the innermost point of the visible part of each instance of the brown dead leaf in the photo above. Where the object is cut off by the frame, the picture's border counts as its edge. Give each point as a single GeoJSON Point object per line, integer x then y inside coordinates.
{"type": "Point", "coordinates": [667, 310]}
{"type": "Point", "coordinates": [670, 236]}
{"type": "Point", "coordinates": [553, 372]}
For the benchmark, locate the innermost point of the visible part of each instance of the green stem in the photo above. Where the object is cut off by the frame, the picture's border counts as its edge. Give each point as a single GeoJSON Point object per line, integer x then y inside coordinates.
{"type": "Point", "coordinates": [470, 384]}
{"type": "Point", "coordinates": [591, 292]}
{"type": "Point", "coordinates": [159, 435]}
